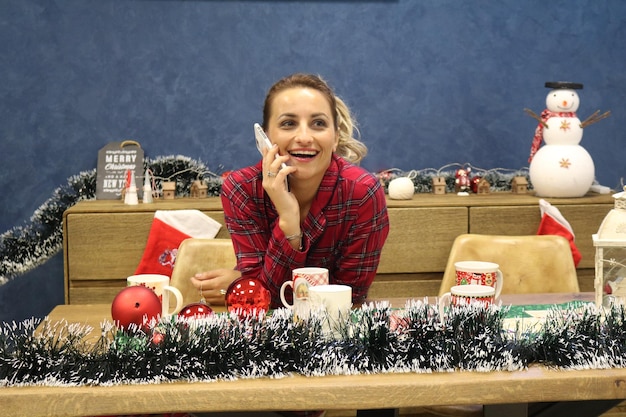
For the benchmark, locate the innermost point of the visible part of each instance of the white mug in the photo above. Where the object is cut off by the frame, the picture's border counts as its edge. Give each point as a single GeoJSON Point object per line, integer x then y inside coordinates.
{"type": "Point", "coordinates": [336, 302]}
{"type": "Point", "coordinates": [302, 279]}
{"type": "Point", "coordinates": [461, 295]}
{"type": "Point", "coordinates": [160, 285]}
{"type": "Point", "coordinates": [300, 304]}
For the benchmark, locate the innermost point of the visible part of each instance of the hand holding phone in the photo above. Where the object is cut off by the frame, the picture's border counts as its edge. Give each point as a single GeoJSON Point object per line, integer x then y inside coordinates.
{"type": "Point", "coordinates": [262, 141]}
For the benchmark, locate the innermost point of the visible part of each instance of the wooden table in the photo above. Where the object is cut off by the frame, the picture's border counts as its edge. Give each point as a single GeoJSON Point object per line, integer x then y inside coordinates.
{"type": "Point", "coordinates": [364, 392]}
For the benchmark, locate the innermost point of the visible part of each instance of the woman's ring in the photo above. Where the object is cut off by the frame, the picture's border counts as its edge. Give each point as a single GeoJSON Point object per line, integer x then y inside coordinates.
{"type": "Point", "coordinates": [271, 174]}
{"type": "Point", "coordinates": [223, 291]}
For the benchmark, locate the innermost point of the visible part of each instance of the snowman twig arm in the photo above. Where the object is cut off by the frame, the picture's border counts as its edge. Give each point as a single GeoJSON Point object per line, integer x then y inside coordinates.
{"type": "Point", "coordinates": [536, 117]}
{"type": "Point", "coordinates": [595, 117]}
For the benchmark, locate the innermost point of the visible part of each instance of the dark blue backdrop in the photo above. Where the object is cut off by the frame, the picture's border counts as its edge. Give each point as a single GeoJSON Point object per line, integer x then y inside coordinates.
{"type": "Point", "coordinates": [432, 82]}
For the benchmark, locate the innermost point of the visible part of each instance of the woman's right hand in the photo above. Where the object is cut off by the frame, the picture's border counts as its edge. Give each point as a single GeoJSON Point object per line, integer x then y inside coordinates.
{"type": "Point", "coordinates": [274, 177]}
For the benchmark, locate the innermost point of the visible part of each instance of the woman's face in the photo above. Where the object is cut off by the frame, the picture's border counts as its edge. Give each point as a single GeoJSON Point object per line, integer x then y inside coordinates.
{"type": "Point", "coordinates": [301, 124]}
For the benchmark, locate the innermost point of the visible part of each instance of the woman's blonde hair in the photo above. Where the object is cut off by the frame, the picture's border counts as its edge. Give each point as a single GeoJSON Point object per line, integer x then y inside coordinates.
{"type": "Point", "coordinates": [348, 146]}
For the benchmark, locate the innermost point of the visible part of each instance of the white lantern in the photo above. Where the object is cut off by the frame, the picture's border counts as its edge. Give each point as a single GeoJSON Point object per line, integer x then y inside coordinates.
{"type": "Point", "coordinates": [610, 244]}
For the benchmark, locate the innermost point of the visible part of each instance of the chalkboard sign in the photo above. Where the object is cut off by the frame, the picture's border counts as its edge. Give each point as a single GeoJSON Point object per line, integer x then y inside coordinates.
{"type": "Point", "coordinates": [114, 161]}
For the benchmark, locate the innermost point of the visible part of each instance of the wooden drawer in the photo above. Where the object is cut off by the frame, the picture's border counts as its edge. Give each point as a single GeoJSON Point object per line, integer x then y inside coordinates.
{"type": "Point", "coordinates": [104, 241]}
{"type": "Point", "coordinates": [420, 238]}
{"type": "Point", "coordinates": [110, 245]}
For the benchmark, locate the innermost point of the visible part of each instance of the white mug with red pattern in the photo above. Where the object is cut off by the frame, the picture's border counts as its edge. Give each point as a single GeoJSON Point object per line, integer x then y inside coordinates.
{"type": "Point", "coordinates": [463, 295]}
{"type": "Point", "coordinates": [302, 279]}
{"type": "Point", "coordinates": [479, 273]}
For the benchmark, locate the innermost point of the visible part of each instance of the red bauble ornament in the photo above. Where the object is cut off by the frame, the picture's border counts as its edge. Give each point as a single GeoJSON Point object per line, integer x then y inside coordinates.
{"type": "Point", "coordinates": [136, 304]}
{"type": "Point", "coordinates": [475, 182]}
{"type": "Point", "coordinates": [157, 338]}
{"type": "Point", "coordinates": [196, 310]}
{"type": "Point", "coordinates": [247, 296]}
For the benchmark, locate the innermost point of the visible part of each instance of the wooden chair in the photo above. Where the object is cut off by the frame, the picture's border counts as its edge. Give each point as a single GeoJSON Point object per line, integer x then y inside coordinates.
{"type": "Point", "coordinates": [529, 264]}
{"type": "Point", "coordinates": [199, 255]}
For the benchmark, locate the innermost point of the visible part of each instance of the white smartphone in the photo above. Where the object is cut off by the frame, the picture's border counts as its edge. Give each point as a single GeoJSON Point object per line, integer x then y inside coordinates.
{"type": "Point", "coordinates": [262, 141]}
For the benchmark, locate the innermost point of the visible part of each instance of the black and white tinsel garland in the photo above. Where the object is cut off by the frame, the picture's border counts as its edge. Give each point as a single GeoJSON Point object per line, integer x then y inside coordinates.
{"type": "Point", "coordinates": [23, 248]}
{"type": "Point", "coordinates": [376, 339]}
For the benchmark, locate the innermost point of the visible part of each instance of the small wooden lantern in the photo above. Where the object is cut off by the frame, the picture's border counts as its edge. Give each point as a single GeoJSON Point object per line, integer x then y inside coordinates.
{"type": "Point", "coordinates": [439, 185]}
{"type": "Point", "coordinates": [483, 186]}
{"type": "Point", "coordinates": [199, 189]}
{"type": "Point", "coordinates": [519, 185]}
{"type": "Point", "coordinates": [169, 190]}
{"type": "Point", "coordinates": [610, 244]}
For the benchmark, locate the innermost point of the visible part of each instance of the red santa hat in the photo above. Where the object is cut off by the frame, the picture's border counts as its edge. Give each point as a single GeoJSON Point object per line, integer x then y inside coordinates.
{"type": "Point", "coordinates": [169, 228]}
{"type": "Point", "coordinates": [553, 223]}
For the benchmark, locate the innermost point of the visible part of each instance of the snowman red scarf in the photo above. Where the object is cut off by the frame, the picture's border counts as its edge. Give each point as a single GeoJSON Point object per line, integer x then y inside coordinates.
{"type": "Point", "coordinates": [545, 115]}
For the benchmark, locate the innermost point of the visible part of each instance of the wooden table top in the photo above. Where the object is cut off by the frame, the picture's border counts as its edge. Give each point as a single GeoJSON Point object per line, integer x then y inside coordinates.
{"type": "Point", "coordinates": [93, 314]}
{"type": "Point", "coordinates": [394, 390]}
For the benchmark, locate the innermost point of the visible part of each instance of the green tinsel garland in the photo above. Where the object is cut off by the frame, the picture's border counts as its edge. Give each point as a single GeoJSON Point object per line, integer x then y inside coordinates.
{"type": "Point", "coordinates": [377, 339]}
{"type": "Point", "coordinates": [23, 248]}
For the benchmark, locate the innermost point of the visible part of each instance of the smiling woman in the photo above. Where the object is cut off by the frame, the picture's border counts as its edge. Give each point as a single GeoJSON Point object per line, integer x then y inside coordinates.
{"type": "Point", "coordinates": [333, 214]}
{"type": "Point", "coordinates": [347, 146]}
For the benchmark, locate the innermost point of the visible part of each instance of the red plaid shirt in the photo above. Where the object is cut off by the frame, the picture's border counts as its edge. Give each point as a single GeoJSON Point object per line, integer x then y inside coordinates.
{"type": "Point", "coordinates": [344, 231]}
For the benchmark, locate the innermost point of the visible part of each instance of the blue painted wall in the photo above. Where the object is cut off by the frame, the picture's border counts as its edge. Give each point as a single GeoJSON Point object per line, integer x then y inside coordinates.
{"type": "Point", "coordinates": [432, 82]}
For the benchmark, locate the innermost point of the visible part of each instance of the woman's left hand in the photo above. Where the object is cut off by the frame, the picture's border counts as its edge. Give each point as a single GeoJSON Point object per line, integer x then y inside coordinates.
{"type": "Point", "coordinates": [212, 285]}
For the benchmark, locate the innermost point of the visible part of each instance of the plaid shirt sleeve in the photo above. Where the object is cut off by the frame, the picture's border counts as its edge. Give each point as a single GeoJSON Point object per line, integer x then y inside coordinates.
{"type": "Point", "coordinates": [260, 245]}
{"type": "Point", "coordinates": [367, 232]}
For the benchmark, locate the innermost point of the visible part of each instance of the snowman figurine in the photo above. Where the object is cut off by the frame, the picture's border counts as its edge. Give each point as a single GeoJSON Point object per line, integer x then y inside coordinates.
{"type": "Point", "coordinates": [561, 168]}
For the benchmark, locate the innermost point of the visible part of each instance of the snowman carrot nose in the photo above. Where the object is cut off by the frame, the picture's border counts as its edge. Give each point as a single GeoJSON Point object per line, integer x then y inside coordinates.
{"type": "Point", "coordinates": [564, 103]}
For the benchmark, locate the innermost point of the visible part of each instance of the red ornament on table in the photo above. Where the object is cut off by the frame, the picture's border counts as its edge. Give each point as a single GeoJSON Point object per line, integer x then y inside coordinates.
{"type": "Point", "coordinates": [135, 305]}
{"type": "Point", "coordinates": [157, 338]}
{"type": "Point", "coordinates": [196, 310]}
{"type": "Point", "coordinates": [247, 296]}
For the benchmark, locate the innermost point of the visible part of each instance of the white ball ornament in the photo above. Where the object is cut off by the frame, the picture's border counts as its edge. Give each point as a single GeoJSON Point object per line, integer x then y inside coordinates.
{"type": "Point", "coordinates": [401, 188]}
{"type": "Point", "coordinates": [562, 171]}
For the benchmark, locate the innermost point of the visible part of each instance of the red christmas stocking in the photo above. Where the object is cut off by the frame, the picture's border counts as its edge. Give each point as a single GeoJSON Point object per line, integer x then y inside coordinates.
{"type": "Point", "coordinates": [169, 228]}
{"type": "Point", "coordinates": [553, 223]}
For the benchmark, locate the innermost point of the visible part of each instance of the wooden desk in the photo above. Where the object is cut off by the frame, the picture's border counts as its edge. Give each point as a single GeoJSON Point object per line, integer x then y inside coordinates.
{"type": "Point", "coordinates": [380, 391]}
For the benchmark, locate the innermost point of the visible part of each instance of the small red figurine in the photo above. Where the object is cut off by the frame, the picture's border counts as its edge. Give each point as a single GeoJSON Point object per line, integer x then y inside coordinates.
{"type": "Point", "coordinates": [462, 183]}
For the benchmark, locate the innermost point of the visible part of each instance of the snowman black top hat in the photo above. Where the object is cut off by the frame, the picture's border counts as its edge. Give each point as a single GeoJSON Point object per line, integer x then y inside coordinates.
{"type": "Point", "coordinates": [555, 85]}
